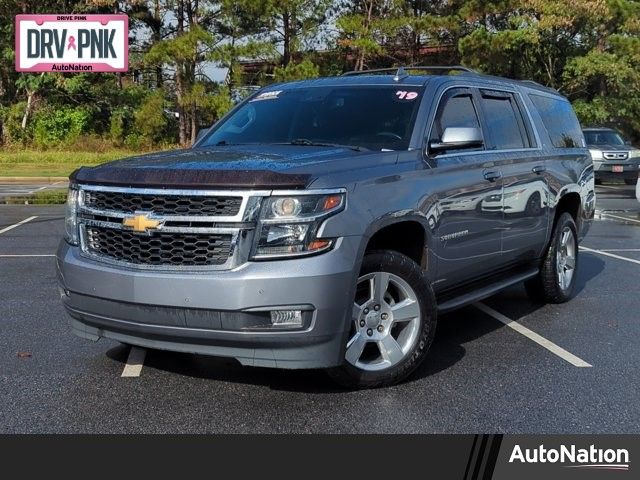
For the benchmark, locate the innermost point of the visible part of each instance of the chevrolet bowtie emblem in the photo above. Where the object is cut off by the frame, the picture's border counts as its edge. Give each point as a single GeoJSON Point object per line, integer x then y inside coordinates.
{"type": "Point", "coordinates": [140, 223]}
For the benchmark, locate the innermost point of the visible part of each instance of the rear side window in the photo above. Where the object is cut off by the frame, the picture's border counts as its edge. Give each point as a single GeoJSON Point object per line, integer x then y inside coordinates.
{"type": "Point", "coordinates": [504, 121]}
{"type": "Point", "coordinates": [560, 121]}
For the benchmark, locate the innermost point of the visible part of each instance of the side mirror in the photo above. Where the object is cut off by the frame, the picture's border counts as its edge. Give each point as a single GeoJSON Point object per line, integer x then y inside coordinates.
{"type": "Point", "coordinates": [458, 138]}
{"type": "Point", "coordinates": [201, 133]}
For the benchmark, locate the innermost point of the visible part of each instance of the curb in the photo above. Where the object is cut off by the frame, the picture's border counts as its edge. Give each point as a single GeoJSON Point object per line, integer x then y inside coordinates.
{"type": "Point", "coordinates": [10, 180]}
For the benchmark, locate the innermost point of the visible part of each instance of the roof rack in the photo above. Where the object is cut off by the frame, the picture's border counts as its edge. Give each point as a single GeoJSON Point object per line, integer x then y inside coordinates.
{"type": "Point", "coordinates": [539, 86]}
{"type": "Point", "coordinates": [402, 72]}
{"type": "Point", "coordinates": [532, 82]}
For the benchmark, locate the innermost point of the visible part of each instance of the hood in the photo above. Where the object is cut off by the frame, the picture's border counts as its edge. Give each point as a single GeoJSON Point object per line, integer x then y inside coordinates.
{"type": "Point", "coordinates": [246, 166]}
{"type": "Point", "coordinates": [611, 148]}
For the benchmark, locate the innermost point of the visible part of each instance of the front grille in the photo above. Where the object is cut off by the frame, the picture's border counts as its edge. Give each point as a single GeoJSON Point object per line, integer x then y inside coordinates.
{"type": "Point", "coordinates": [616, 155]}
{"type": "Point", "coordinates": [162, 204]}
{"type": "Point", "coordinates": [159, 249]}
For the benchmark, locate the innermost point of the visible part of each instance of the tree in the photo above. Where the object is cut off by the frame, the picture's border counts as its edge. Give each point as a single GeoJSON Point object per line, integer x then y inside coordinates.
{"type": "Point", "coordinates": [296, 71]}
{"type": "Point", "coordinates": [32, 85]}
{"type": "Point", "coordinates": [364, 29]}
{"type": "Point", "coordinates": [184, 51]}
{"type": "Point", "coordinates": [604, 84]}
{"type": "Point", "coordinates": [294, 24]}
{"type": "Point", "coordinates": [530, 38]}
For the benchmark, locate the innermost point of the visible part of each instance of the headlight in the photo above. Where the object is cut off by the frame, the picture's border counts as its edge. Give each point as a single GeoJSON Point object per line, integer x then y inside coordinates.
{"type": "Point", "coordinates": [634, 154]}
{"type": "Point", "coordinates": [596, 155]}
{"type": "Point", "coordinates": [514, 194]}
{"type": "Point", "coordinates": [289, 224]}
{"type": "Point", "coordinates": [71, 217]}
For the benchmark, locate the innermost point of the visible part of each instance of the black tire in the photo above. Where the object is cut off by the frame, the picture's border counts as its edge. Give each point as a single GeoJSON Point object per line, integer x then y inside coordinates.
{"type": "Point", "coordinates": [534, 205]}
{"type": "Point", "coordinates": [388, 261]}
{"type": "Point", "coordinates": [546, 287]}
{"type": "Point", "coordinates": [630, 181]}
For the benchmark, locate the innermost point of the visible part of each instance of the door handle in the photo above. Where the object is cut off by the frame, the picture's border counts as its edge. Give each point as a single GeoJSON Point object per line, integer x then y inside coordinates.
{"type": "Point", "coordinates": [492, 175]}
{"type": "Point", "coordinates": [539, 169]}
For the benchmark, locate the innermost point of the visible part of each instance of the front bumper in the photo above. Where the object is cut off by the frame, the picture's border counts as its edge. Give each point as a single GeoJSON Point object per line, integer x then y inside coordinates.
{"type": "Point", "coordinates": [212, 312]}
{"type": "Point", "coordinates": [604, 170]}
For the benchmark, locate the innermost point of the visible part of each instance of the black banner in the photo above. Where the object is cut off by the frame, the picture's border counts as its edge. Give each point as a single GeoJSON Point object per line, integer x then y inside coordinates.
{"type": "Point", "coordinates": [466, 457]}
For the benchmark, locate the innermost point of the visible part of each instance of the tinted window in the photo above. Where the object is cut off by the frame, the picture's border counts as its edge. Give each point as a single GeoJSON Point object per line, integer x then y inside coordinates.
{"type": "Point", "coordinates": [504, 121]}
{"type": "Point", "coordinates": [455, 110]}
{"type": "Point", "coordinates": [603, 137]}
{"type": "Point", "coordinates": [560, 121]}
{"type": "Point", "coordinates": [371, 117]}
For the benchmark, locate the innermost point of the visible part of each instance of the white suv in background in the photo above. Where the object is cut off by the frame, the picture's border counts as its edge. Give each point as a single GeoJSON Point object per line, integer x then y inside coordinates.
{"type": "Point", "coordinates": [613, 156]}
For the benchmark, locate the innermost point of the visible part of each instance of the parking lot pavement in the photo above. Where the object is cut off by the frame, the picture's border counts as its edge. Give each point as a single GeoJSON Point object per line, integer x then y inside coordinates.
{"type": "Point", "coordinates": [24, 188]}
{"type": "Point", "coordinates": [484, 373]}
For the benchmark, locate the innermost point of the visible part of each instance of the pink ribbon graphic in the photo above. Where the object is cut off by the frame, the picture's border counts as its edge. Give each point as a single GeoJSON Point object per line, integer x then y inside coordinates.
{"type": "Point", "coordinates": [72, 43]}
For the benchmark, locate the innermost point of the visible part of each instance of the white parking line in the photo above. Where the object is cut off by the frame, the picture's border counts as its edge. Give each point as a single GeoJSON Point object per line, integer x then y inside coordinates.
{"type": "Point", "coordinates": [11, 227]}
{"type": "Point", "coordinates": [619, 217]}
{"type": "Point", "coordinates": [19, 256]}
{"type": "Point", "coordinates": [533, 336]}
{"type": "Point", "coordinates": [133, 368]}
{"type": "Point", "coordinates": [619, 187]}
{"type": "Point", "coordinates": [612, 255]}
{"type": "Point", "coordinates": [620, 249]}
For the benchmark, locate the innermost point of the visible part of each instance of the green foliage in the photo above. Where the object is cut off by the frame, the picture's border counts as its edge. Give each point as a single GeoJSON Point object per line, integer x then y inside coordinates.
{"type": "Point", "coordinates": [296, 71]}
{"type": "Point", "coordinates": [150, 119]}
{"type": "Point", "coordinates": [179, 49]}
{"type": "Point", "coordinates": [12, 131]}
{"type": "Point", "coordinates": [58, 126]}
{"type": "Point", "coordinates": [587, 49]}
{"type": "Point", "coordinates": [117, 126]}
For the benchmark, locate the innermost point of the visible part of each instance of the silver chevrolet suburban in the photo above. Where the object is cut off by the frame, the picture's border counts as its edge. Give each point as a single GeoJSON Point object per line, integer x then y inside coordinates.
{"type": "Point", "coordinates": [326, 223]}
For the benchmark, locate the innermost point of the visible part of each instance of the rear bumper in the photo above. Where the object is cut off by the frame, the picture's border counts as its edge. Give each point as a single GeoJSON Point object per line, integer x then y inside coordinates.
{"type": "Point", "coordinates": [222, 313]}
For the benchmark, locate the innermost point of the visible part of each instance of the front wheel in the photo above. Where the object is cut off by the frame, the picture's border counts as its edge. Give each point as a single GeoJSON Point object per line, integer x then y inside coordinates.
{"type": "Point", "coordinates": [393, 322]}
{"type": "Point", "coordinates": [557, 277]}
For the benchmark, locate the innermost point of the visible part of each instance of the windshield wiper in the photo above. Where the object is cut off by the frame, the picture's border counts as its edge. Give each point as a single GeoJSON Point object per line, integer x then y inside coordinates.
{"type": "Point", "coordinates": [224, 143]}
{"type": "Point", "coordinates": [311, 143]}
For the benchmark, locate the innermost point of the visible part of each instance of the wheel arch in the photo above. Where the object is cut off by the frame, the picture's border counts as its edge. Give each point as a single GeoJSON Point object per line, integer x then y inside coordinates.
{"type": "Point", "coordinates": [409, 235]}
{"type": "Point", "coordinates": [570, 202]}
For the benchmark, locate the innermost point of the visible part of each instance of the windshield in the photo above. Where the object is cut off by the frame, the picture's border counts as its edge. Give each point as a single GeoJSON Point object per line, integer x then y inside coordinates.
{"type": "Point", "coordinates": [374, 118]}
{"type": "Point", "coordinates": [604, 137]}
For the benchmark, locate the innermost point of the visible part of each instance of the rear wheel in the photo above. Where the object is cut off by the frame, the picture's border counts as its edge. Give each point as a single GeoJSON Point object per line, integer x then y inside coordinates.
{"type": "Point", "coordinates": [557, 277]}
{"type": "Point", "coordinates": [393, 322]}
{"type": "Point", "coordinates": [630, 181]}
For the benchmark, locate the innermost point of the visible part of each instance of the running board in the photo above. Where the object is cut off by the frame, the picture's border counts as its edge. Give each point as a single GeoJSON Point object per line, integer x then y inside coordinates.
{"type": "Point", "coordinates": [485, 291]}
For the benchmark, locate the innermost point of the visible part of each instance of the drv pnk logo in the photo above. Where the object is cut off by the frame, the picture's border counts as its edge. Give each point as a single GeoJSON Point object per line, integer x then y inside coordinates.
{"type": "Point", "coordinates": [72, 43]}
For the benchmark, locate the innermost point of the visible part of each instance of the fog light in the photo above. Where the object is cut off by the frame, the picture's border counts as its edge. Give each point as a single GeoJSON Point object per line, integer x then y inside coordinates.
{"type": "Point", "coordinates": [286, 318]}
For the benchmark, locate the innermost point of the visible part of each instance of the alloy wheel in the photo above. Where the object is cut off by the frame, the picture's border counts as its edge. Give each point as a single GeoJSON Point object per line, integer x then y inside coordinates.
{"type": "Point", "coordinates": [386, 322]}
{"type": "Point", "coordinates": [566, 258]}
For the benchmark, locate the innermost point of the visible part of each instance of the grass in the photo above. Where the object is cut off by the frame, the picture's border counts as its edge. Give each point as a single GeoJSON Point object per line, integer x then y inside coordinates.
{"type": "Point", "coordinates": [35, 163]}
{"type": "Point", "coordinates": [54, 196]}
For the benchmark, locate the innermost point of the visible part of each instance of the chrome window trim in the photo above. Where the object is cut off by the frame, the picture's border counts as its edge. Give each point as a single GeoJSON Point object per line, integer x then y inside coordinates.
{"type": "Point", "coordinates": [513, 91]}
{"type": "Point", "coordinates": [486, 152]}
